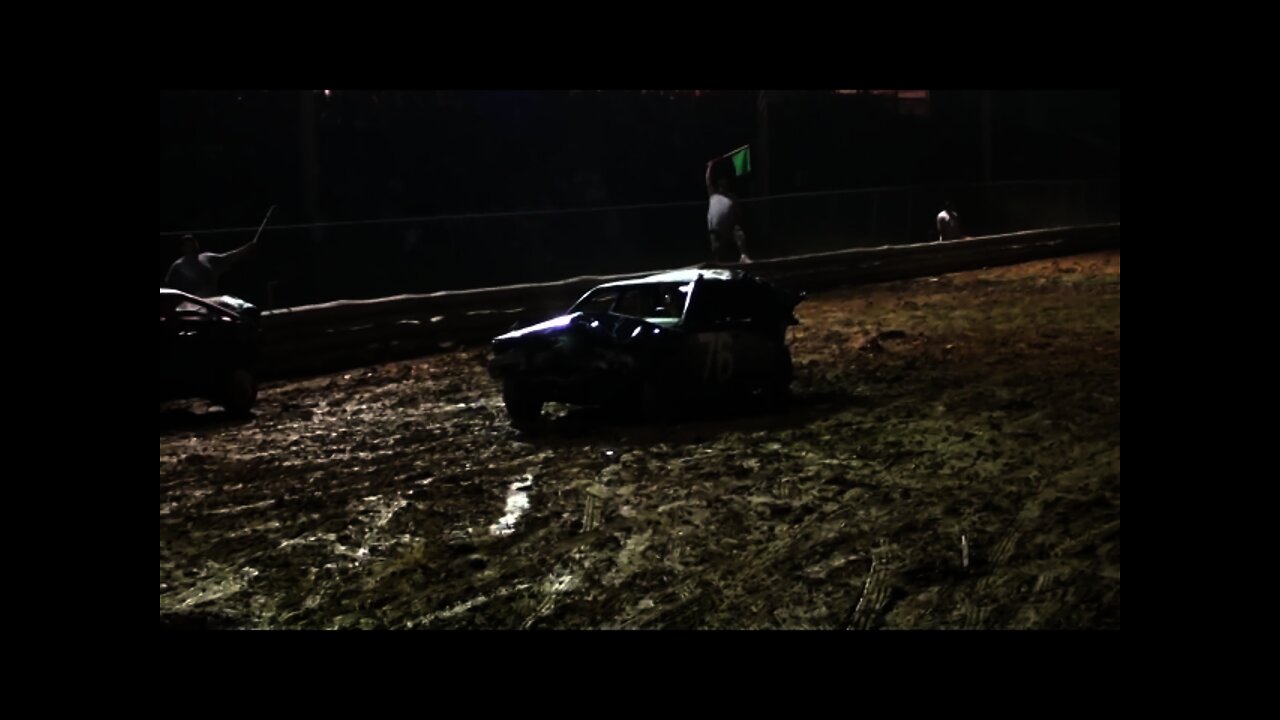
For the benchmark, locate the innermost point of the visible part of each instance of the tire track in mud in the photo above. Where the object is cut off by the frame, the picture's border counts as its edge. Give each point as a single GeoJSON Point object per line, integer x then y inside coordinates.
{"type": "Point", "coordinates": [568, 573]}
{"type": "Point", "coordinates": [459, 609]}
{"type": "Point", "coordinates": [593, 512]}
{"type": "Point", "coordinates": [877, 590]}
{"type": "Point", "coordinates": [559, 582]}
{"type": "Point", "coordinates": [684, 607]}
{"type": "Point", "coordinates": [976, 614]}
{"type": "Point", "coordinates": [571, 573]}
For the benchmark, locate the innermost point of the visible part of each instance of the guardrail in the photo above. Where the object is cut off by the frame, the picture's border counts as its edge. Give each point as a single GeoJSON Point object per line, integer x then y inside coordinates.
{"type": "Point", "coordinates": [349, 333]}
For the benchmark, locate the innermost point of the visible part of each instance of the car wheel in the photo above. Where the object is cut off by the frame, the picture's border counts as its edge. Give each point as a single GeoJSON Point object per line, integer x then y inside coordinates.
{"type": "Point", "coordinates": [523, 407]}
{"type": "Point", "coordinates": [658, 403]}
{"type": "Point", "coordinates": [239, 392]}
{"type": "Point", "coordinates": [777, 396]}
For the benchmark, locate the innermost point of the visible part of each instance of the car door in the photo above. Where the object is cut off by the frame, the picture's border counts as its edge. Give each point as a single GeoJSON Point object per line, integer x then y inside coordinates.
{"type": "Point", "coordinates": [725, 350]}
{"type": "Point", "coordinates": [192, 340]}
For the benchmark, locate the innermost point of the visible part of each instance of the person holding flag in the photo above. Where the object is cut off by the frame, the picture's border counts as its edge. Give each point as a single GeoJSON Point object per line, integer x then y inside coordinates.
{"type": "Point", "coordinates": [722, 212]}
{"type": "Point", "coordinates": [197, 273]}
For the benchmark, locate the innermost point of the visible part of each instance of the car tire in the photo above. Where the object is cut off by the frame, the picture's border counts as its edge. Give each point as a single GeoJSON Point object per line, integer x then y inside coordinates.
{"type": "Point", "coordinates": [523, 407]}
{"type": "Point", "coordinates": [777, 397]}
{"type": "Point", "coordinates": [658, 403]}
{"type": "Point", "coordinates": [239, 392]}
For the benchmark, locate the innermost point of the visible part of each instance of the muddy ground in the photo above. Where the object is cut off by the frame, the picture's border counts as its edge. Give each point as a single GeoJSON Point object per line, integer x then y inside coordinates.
{"type": "Point", "coordinates": [952, 460]}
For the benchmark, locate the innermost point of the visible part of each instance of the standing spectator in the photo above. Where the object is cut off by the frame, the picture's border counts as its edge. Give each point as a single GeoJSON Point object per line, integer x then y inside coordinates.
{"type": "Point", "coordinates": [197, 273]}
{"type": "Point", "coordinates": [722, 221]}
{"type": "Point", "coordinates": [948, 223]}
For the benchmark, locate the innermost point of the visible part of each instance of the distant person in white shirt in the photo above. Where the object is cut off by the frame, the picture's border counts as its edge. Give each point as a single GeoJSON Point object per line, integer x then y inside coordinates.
{"type": "Point", "coordinates": [197, 273]}
{"type": "Point", "coordinates": [948, 223]}
{"type": "Point", "coordinates": [722, 222]}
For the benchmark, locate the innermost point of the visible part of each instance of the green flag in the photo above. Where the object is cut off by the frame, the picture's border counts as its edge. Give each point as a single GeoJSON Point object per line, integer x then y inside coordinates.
{"type": "Point", "coordinates": [741, 161]}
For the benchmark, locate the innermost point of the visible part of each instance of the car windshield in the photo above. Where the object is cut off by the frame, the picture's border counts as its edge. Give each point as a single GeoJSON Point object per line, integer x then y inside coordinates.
{"type": "Point", "coordinates": [173, 307]}
{"type": "Point", "coordinates": [659, 303]}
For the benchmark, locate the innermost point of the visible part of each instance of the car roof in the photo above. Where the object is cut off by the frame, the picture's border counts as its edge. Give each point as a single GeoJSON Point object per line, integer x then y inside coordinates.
{"type": "Point", "coordinates": [177, 296]}
{"type": "Point", "coordinates": [679, 276]}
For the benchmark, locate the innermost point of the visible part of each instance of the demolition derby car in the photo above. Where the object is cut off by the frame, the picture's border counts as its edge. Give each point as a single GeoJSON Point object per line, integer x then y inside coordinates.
{"type": "Point", "coordinates": [652, 343]}
{"type": "Point", "coordinates": [209, 348]}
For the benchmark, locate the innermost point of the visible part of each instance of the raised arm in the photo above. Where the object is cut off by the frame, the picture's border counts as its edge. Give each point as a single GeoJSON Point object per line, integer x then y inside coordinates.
{"type": "Point", "coordinates": [222, 261]}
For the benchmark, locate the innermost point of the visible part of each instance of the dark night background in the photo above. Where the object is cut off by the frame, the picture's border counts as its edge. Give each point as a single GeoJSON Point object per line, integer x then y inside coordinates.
{"type": "Point", "coordinates": [225, 156]}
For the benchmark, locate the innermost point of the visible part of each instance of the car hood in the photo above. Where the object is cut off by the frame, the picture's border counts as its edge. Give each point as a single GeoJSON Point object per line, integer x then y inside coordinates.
{"type": "Point", "coordinates": [547, 327]}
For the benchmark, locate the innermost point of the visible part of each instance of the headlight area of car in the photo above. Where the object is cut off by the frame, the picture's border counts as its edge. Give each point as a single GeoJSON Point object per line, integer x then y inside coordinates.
{"type": "Point", "coordinates": [507, 360]}
{"type": "Point", "coordinates": [569, 350]}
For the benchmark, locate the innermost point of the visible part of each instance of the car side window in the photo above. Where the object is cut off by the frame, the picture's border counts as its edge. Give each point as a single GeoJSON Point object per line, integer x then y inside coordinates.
{"type": "Point", "coordinates": [192, 311]}
{"type": "Point", "coordinates": [670, 301]}
{"type": "Point", "coordinates": [665, 301]}
{"type": "Point", "coordinates": [175, 308]}
{"type": "Point", "coordinates": [635, 302]}
{"type": "Point", "coordinates": [708, 308]}
{"type": "Point", "coordinates": [720, 303]}
{"type": "Point", "coordinates": [598, 302]}
{"type": "Point", "coordinates": [183, 311]}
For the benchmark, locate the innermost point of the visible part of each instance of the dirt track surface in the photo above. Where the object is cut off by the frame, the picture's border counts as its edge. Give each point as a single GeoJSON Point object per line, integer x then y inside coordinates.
{"type": "Point", "coordinates": [952, 460]}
